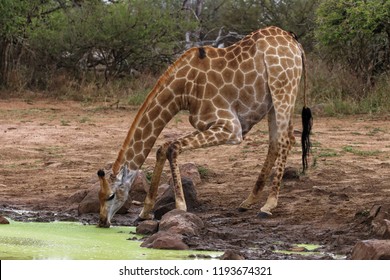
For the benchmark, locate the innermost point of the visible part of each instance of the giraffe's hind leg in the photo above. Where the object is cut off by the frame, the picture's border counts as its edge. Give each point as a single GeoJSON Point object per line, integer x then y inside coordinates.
{"type": "Point", "coordinates": [291, 134]}
{"type": "Point", "coordinates": [285, 139]}
{"type": "Point", "coordinates": [281, 140]}
{"type": "Point", "coordinates": [283, 95]}
{"type": "Point", "coordinates": [281, 158]}
{"type": "Point", "coordinates": [255, 194]}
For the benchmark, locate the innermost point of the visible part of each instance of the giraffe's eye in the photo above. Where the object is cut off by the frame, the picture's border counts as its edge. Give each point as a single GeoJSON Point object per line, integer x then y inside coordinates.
{"type": "Point", "coordinates": [111, 197]}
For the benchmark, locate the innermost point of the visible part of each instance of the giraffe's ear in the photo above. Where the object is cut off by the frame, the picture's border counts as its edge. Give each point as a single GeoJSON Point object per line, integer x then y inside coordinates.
{"type": "Point", "coordinates": [101, 173]}
{"type": "Point", "coordinates": [103, 182]}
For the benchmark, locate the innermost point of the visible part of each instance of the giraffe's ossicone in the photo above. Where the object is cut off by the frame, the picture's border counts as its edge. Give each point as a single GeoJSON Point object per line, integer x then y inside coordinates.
{"type": "Point", "coordinates": [226, 91]}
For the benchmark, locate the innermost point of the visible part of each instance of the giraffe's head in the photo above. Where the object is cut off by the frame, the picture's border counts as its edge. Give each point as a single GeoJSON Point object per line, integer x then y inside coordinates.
{"type": "Point", "coordinates": [113, 193]}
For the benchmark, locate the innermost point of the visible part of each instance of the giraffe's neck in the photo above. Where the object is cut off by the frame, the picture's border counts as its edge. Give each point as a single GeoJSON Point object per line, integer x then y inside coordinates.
{"type": "Point", "coordinates": [158, 109]}
{"type": "Point", "coordinates": [149, 128]}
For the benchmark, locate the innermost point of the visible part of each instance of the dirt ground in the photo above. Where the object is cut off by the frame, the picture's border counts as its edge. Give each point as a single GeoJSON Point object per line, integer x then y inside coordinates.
{"type": "Point", "coordinates": [52, 149]}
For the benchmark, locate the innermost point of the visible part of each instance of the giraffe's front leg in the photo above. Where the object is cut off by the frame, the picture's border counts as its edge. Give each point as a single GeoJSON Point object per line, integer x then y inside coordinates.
{"type": "Point", "coordinates": [222, 132]}
{"type": "Point", "coordinates": [150, 199]}
{"type": "Point", "coordinates": [172, 153]}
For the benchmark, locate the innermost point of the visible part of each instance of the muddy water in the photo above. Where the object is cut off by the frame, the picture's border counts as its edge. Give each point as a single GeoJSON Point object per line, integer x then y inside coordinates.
{"type": "Point", "coordinates": [71, 240]}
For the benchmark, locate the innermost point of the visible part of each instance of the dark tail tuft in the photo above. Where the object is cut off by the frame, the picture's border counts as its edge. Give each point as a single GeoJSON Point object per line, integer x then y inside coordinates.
{"type": "Point", "coordinates": [307, 122]}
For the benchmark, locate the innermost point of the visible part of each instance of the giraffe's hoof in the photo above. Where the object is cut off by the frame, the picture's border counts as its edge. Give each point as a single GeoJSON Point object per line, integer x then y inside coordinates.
{"type": "Point", "coordinates": [242, 209]}
{"type": "Point", "coordinates": [139, 220]}
{"type": "Point", "coordinates": [263, 215]}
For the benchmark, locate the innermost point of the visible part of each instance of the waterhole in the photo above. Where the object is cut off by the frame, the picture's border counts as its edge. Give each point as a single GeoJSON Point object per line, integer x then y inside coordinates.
{"type": "Point", "coordinates": [75, 241]}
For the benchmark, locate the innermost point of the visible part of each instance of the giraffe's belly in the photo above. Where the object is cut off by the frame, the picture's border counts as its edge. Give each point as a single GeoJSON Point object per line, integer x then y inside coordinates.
{"type": "Point", "coordinates": [251, 114]}
{"type": "Point", "coordinates": [245, 110]}
{"type": "Point", "coordinates": [250, 118]}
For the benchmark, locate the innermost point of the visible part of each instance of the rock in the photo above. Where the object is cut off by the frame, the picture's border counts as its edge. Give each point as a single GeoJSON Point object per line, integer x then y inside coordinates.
{"type": "Point", "coordinates": [147, 227]}
{"type": "Point", "coordinates": [78, 196]}
{"type": "Point", "coordinates": [181, 222]}
{"type": "Point", "coordinates": [297, 249]}
{"type": "Point", "coordinates": [381, 228]}
{"type": "Point", "coordinates": [165, 240]}
{"type": "Point", "coordinates": [163, 209]}
{"type": "Point", "coordinates": [3, 221]}
{"type": "Point", "coordinates": [291, 173]}
{"type": "Point", "coordinates": [172, 228]}
{"type": "Point", "coordinates": [165, 195]}
{"type": "Point", "coordinates": [231, 255]}
{"type": "Point", "coordinates": [161, 190]}
{"type": "Point", "coordinates": [140, 187]}
{"type": "Point", "coordinates": [166, 201]}
{"type": "Point", "coordinates": [380, 215]}
{"type": "Point", "coordinates": [90, 203]}
{"type": "Point", "coordinates": [190, 170]}
{"type": "Point", "coordinates": [374, 211]}
{"type": "Point", "coordinates": [371, 250]}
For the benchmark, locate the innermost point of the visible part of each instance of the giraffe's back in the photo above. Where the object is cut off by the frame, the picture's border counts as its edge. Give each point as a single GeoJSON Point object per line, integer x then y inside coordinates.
{"type": "Point", "coordinates": [233, 82]}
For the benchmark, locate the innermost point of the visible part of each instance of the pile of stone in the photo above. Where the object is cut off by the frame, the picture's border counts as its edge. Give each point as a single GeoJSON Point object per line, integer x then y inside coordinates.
{"type": "Point", "coordinates": [86, 201]}
{"type": "Point", "coordinates": [3, 220]}
{"type": "Point", "coordinates": [379, 248]}
{"type": "Point", "coordinates": [171, 231]}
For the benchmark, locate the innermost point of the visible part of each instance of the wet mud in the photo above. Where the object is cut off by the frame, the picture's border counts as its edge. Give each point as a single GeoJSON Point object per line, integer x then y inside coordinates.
{"type": "Point", "coordinates": [51, 150]}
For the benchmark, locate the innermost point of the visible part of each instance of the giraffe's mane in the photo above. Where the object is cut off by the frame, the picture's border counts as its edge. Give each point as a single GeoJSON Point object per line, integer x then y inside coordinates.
{"type": "Point", "coordinates": [145, 105]}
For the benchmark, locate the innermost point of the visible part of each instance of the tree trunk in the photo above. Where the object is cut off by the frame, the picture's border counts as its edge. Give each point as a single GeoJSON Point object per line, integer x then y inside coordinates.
{"type": "Point", "coordinates": [194, 9]}
{"type": "Point", "coordinates": [4, 61]}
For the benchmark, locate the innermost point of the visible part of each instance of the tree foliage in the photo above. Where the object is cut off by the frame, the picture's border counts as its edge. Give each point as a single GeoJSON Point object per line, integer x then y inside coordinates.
{"type": "Point", "coordinates": [139, 34]}
{"type": "Point", "coordinates": [39, 37]}
{"type": "Point", "coordinates": [16, 17]}
{"type": "Point", "coordinates": [245, 16]}
{"type": "Point", "coordinates": [357, 34]}
{"type": "Point", "coordinates": [115, 36]}
{"type": "Point", "coordinates": [13, 20]}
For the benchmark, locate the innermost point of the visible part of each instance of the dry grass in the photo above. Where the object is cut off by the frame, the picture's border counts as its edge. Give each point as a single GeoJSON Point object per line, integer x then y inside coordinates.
{"type": "Point", "coordinates": [332, 88]}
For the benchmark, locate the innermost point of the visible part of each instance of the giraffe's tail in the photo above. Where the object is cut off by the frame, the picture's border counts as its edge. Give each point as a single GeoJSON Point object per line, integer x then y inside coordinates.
{"type": "Point", "coordinates": [307, 118]}
{"type": "Point", "coordinates": [307, 122]}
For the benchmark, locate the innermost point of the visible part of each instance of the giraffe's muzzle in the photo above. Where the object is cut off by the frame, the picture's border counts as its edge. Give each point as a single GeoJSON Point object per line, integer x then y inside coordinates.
{"type": "Point", "coordinates": [104, 223]}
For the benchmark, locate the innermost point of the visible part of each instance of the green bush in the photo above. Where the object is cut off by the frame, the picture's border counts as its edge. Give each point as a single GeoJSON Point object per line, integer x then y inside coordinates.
{"type": "Point", "coordinates": [140, 34]}
{"type": "Point", "coordinates": [356, 33]}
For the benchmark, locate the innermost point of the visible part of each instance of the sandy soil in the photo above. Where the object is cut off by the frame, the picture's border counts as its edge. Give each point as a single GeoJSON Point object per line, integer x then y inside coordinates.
{"type": "Point", "coordinates": [52, 149]}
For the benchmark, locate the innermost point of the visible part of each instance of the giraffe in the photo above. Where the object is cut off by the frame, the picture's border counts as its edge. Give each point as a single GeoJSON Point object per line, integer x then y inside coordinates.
{"type": "Point", "coordinates": [226, 91]}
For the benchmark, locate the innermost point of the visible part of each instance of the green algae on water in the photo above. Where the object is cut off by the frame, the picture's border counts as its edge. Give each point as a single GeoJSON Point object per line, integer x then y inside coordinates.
{"type": "Point", "coordinates": [309, 247]}
{"type": "Point", "coordinates": [75, 241]}
{"type": "Point", "coordinates": [307, 250]}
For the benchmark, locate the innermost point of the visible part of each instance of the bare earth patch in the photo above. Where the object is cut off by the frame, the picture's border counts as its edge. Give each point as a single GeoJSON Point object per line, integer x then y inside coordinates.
{"type": "Point", "coordinates": [51, 150]}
